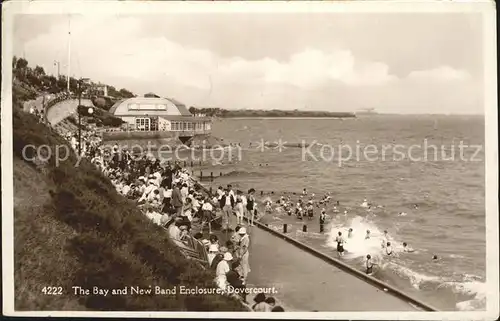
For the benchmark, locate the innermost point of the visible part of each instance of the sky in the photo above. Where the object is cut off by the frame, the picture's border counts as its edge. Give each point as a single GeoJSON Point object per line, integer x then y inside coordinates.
{"type": "Point", "coordinates": [393, 62]}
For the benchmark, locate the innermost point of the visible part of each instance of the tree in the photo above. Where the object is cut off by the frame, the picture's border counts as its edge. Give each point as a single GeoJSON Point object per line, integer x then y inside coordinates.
{"type": "Point", "coordinates": [125, 93]}
{"type": "Point", "coordinates": [151, 95]}
{"type": "Point", "coordinates": [61, 83]}
{"type": "Point", "coordinates": [112, 91]}
{"type": "Point", "coordinates": [193, 110]}
{"type": "Point", "coordinates": [21, 63]}
{"type": "Point", "coordinates": [52, 80]}
{"type": "Point", "coordinates": [33, 80]}
{"type": "Point", "coordinates": [73, 84]}
{"type": "Point", "coordinates": [14, 62]}
{"type": "Point", "coordinates": [39, 71]}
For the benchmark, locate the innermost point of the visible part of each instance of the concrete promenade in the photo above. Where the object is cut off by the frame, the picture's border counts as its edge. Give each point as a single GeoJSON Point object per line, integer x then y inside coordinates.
{"type": "Point", "coordinates": [64, 109]}
{"type": "Point", "coordinates": [36, 103]}
{"type": "Point", "coordinates": [307, 283]}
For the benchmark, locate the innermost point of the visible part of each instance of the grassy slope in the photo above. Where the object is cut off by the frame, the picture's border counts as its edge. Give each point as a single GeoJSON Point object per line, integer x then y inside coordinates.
{"type": "Point", "coordinates": [83, 233]}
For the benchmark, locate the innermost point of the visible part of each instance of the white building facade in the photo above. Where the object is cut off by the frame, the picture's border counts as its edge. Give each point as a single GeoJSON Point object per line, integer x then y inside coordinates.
{"type": "Point", "coordinates": [159, 114]}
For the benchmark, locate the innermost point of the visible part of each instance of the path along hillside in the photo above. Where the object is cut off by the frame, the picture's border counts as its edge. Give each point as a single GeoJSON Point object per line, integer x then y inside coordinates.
{"type": "Point", "coordinates": [72, 228]}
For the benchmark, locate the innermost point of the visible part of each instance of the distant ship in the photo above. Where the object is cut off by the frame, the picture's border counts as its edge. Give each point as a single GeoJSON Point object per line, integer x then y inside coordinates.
{"type": "Point", "coordinates": [366, 112]}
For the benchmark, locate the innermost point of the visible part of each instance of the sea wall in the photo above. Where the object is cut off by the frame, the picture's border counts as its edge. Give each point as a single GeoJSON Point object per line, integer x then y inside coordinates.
{"type": "Point", "coordinates": [153, 140]}
{"type": "Point", "coordinates": [136, 135]}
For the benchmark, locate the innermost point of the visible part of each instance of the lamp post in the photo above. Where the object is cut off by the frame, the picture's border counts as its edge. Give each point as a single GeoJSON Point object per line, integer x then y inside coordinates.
{"type": "Point", "coordinates": [90, 110]}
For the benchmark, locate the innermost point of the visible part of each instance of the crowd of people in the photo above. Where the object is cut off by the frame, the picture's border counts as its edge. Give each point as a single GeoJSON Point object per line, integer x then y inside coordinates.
{"type": "Point", "coordinates": [39, 114]}
{"type": "Point", "coordinates": [168, 195]}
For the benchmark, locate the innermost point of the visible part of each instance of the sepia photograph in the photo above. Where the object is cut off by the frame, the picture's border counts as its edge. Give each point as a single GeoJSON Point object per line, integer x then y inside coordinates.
{"type": "Point", "coordinates": [214, 160]}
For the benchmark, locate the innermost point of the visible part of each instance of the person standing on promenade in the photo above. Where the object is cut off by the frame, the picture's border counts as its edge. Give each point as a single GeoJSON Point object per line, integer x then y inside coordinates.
{"type": "Point", "coordinates": [235, 242]}
{"type": "Point", "coordinates": [239, 211]}
{"type": "Point", "coordinates": [240, 195]}
{"type": "Point", "coordinates": [184, 192]}
{"type": "Point", "coordinates": [207, 209]}
{"type": "Point", "coordinates": [230, 188]}
{"type": "Point", "coordinates": [220, 192]}
{"type": "Point", "coordinates": [177, 199]}
{"type": "Point", "coordinates": [251, 205]}
{"type": "Point", "coordinates": [260, 303]}
{"type": "Point", "coordinates": [227, 204]}
{"type": "Point", "coordinates": [222, 269]}
{"type": "Point", "coordinates": [213, 250]}
{"type": "Point", "coordinates": [234, 279]}
{"type": "Point", "coordinates": [244, 253]}
{"type": "Point", "coordinates": [271, 302]}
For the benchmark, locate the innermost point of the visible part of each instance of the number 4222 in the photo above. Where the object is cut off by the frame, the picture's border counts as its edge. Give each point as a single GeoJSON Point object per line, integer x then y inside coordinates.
{"type": "Point", "coordinates": [52, 290]}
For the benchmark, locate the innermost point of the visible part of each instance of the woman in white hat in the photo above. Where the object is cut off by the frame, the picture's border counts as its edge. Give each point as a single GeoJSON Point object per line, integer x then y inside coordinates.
{"type": "Point", "coordinates": [222, 269]}
{"type": "Point", "coordinates": [213, 249]}
{"type": "Point", "coordinates": [243, 252]}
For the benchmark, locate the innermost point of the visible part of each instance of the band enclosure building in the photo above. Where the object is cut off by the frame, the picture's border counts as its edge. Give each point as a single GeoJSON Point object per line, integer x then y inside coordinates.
{"type": "Point", "coordinates": [147, 114]}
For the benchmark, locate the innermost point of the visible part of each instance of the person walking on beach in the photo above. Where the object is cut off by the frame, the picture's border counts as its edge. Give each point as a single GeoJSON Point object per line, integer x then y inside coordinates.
{"type": "Point", "coordinates": [244, 253]}
{"type": "Point", "coordinates": [340, 244]}
{"type": "Point", "coordinates": [322, 219]}
{"type": "Point", "coordinates": [177, 200]}
{"type": "Point", "coordinates": [227, 204]}
{"type": "Point", "coordinates": [251, 205]}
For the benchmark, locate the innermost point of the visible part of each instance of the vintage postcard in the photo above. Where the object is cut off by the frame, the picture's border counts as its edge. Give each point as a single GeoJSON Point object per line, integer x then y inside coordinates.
{"type": "Point", "coordinates": [233, 159]}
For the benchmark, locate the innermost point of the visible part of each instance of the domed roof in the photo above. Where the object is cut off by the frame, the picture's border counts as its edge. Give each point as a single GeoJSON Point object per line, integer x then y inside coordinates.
{"type": "Point", "coordinates": [143, 105]}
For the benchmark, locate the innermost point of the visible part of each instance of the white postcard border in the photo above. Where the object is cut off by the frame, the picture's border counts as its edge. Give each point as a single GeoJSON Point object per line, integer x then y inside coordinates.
{"type": "Point", "coordinates": [486, 8]}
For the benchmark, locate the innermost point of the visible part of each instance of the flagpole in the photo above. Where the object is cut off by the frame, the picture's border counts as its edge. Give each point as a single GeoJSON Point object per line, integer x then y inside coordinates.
{"type": "Point", "coordinates": [69, 50]}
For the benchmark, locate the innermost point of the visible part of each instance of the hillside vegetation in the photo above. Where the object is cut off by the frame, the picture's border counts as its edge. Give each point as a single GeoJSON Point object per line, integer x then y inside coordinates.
{"type": "Point", "coordinates": [37, 79]}
{"type": "Point", "coordinates": [71, 228]}
{"type": "Point", "coordinates": [249, 113]}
